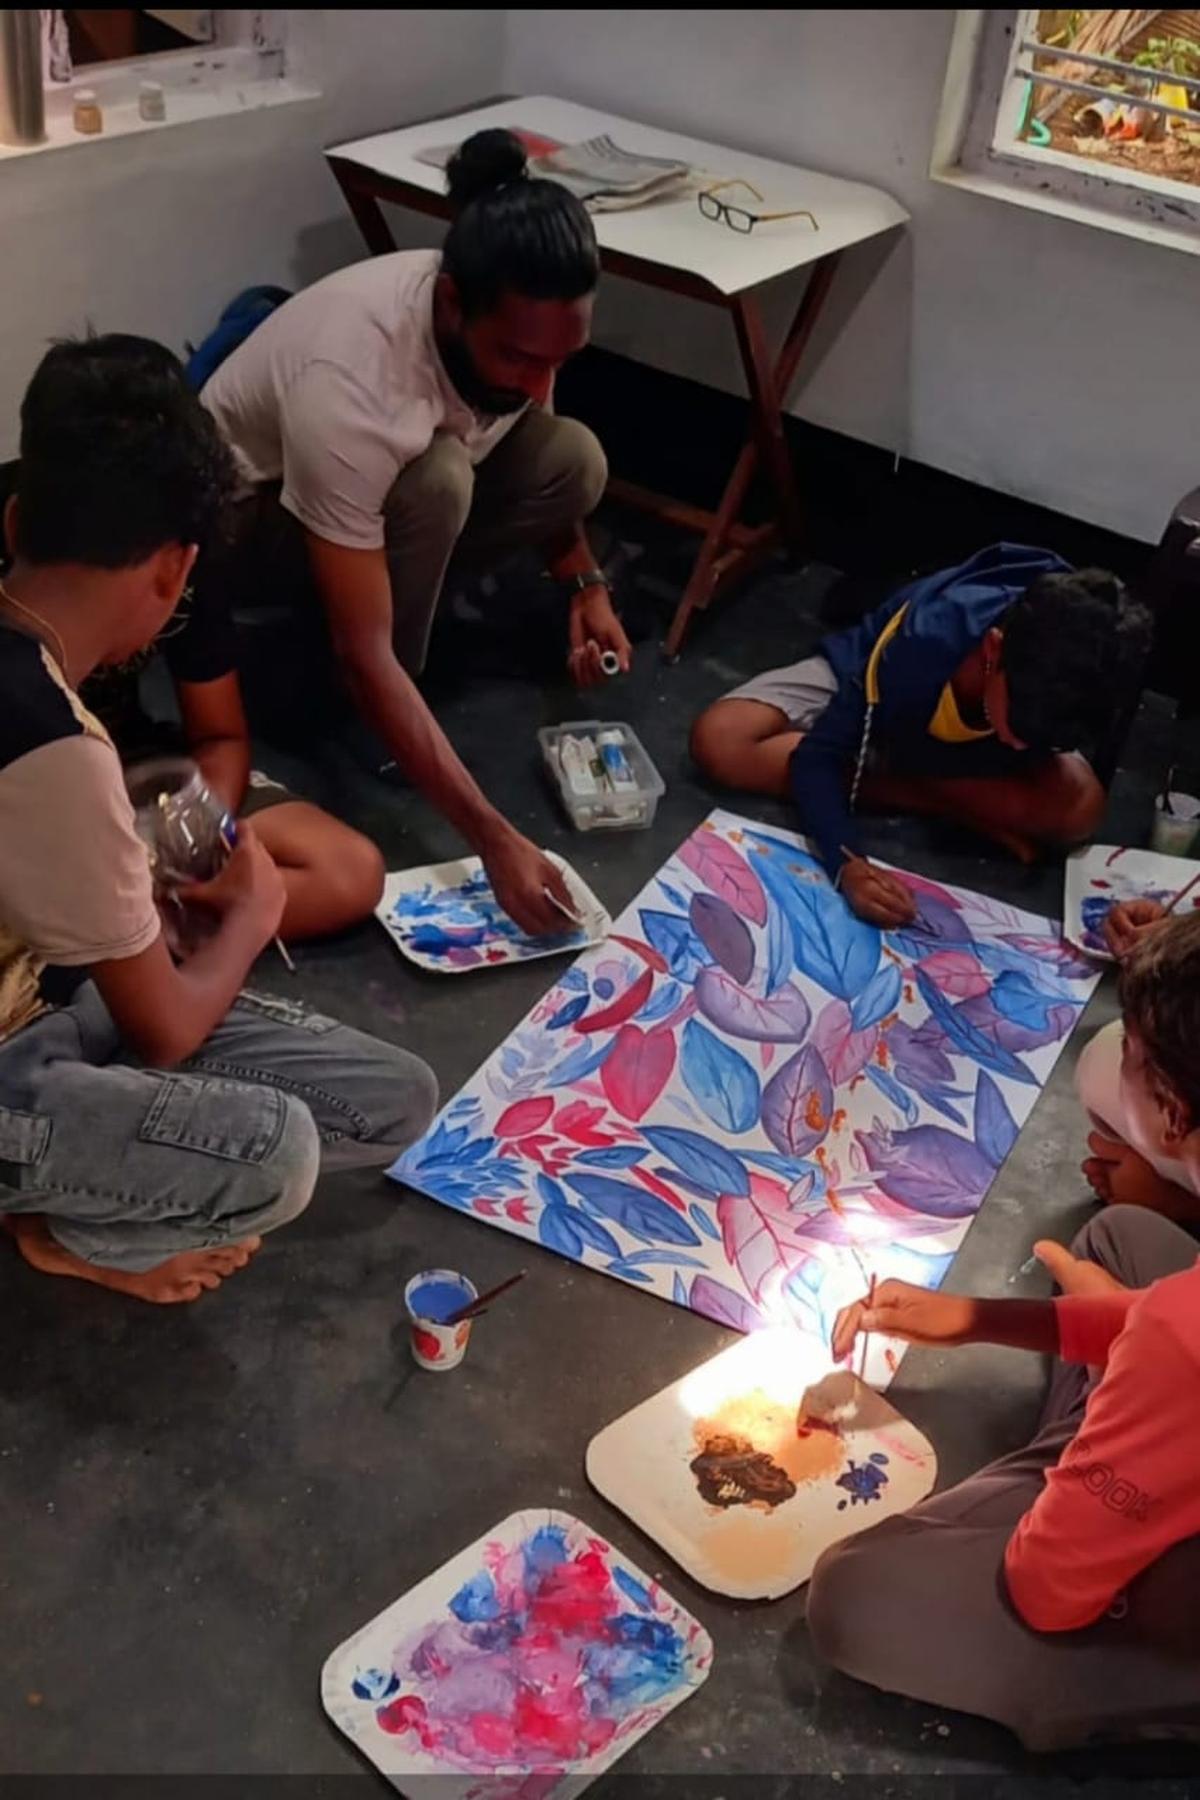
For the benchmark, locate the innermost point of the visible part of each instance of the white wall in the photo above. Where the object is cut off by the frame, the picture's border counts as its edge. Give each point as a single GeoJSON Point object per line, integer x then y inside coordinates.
{"type": "Point", "coordinates": [1055, 361]}
{"type": "Point", "coordinates": [153, 233]}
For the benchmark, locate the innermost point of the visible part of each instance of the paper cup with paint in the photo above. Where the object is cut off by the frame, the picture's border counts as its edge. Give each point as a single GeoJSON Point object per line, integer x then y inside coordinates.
{"type": "Point", "coordinates": [432, 1298]}
{"type": "Point", "coordinates": [1177, 814]}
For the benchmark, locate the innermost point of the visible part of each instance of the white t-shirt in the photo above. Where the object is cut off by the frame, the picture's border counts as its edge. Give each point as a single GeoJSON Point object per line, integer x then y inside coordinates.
{"type": "Point", "coordinates": [340, 390]}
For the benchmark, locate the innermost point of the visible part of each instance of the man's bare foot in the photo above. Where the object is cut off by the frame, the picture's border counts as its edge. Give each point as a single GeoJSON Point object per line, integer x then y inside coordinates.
{"type": "Point", "coordinates": [1118, 1176]}
{"type": "Point", "coordinates": [182, 1278]}
{"type": "Point", "coordinates": [1072, 1273]}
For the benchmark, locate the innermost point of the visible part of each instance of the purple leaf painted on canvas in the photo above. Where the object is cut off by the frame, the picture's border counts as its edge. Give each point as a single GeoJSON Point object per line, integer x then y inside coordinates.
{"type": "Point", "coordinates": [936, 926]}
{"type": "Point", "coordinates": [798, 1104]}
{"type": "Point", "coordinates": [726, 872]}
{"type": "Point", "coordinates": [719, 1079]}
{"type": "Point", "coordinates": [713, 1169]}
{"type": "Point", "coordinates": [844, 1051]}
{"type": "Point", "coordinates": [928, 1168]}
{"type": "Point", "coordinates": [783, 1018]}
{"type": "Point", "coordinates": [724, 934]}
{"type": "Point", "coordinates": [720, 1304]}
{"type": "Point", "coordinates": [995, 1131]}
{"type": "Point", "coordinates": [918, 1056]}
{"type": "Point", "coordinates": [641, 1214]}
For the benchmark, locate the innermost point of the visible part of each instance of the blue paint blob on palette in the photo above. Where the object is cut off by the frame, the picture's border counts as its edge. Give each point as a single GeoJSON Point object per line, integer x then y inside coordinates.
{"type": "Point", "coordinates": [525, 1667]}
{"type": "Point", "coordinates": [446, 918]}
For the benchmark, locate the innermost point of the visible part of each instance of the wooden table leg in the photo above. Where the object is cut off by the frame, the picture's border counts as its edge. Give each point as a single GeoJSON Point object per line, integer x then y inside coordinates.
{"type": "Point", "coordinates": [365, 209]}
{"type": "Point", "coordinates": [717, 565]}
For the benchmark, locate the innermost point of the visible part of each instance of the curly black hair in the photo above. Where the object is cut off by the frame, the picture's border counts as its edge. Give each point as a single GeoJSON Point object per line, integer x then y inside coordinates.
{"type": "Point", "coordinates": [1075, 647]}
{"type": "Point", "coordinates": [118, 457]}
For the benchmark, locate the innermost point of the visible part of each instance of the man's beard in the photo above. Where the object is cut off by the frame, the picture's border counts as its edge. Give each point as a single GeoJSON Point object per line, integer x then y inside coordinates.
{"type": "Point", "coordinates": [459, 365]}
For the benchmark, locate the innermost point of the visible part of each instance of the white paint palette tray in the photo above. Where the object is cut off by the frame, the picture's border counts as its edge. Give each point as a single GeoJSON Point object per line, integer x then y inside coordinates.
{"type": "Point", "coordinates": [715, 1470]}
{"type": "Point", "coordinates": [525, 1666]}
{"type": "Point", "coordinates": [446, 918]}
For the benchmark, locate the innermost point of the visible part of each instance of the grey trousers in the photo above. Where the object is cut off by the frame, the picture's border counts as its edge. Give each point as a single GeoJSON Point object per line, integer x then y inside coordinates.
{"type": "Point", "coordinates": [130, 1166]}
{"type": "Point", "coordinates": [541, 480]}
{"type": "Point", "coordinates": [917, 1606]}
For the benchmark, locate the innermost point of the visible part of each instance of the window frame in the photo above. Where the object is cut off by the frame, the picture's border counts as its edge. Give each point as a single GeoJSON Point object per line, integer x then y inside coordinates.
{"type": "Point", "coordinates": [980, 97]}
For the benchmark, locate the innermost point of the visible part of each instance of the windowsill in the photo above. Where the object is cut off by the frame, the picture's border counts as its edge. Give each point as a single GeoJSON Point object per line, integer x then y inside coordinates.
{"type": "Point", "coordinates": [212, 85]}
{"type": "Point", "coordinates": [1043, 199]}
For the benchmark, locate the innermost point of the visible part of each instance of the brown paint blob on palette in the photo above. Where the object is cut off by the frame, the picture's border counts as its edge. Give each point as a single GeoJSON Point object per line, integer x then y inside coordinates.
{"type": "Point", "coordinates": [750, 1453]}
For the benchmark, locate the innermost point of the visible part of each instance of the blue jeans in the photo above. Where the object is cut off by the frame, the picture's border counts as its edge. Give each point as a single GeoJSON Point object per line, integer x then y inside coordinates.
{"type": "Point", "coordinates": [130, 1166]}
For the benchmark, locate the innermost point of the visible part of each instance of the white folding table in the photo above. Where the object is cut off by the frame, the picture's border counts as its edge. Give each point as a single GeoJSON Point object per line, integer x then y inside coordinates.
{"type": "Point", "coordinates": [669, 244]}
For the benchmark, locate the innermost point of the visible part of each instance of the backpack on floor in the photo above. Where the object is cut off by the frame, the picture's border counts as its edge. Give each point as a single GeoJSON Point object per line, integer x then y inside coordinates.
{"type": "Point", "coordinates": [241, 317]}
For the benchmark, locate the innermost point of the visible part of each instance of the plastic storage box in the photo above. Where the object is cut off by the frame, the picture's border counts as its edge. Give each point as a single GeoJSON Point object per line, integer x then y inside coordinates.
{"type": "Point", "coordinates": [610, 807]}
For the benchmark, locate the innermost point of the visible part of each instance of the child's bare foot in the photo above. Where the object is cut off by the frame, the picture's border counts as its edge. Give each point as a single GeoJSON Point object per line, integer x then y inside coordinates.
{"type": "Point", "coordinates": [1118, 1176]}
{"type": "Point", "coordinates": [183, 1277]}
{"type": "Point", "coordinates": [1073, 1274]}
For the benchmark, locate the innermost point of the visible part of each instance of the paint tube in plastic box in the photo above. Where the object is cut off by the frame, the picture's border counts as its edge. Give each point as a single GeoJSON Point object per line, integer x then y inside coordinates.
{"type": "Point", "coordinates": [616, 764]}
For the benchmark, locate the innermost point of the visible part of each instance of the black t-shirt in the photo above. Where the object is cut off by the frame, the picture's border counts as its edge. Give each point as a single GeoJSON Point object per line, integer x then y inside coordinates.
{"type": "Point", "coordinates": [198, 644]}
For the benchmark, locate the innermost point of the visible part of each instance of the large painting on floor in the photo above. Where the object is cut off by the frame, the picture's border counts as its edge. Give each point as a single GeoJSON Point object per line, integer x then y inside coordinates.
{"type": "Point", "coordinates": [748, 1101]}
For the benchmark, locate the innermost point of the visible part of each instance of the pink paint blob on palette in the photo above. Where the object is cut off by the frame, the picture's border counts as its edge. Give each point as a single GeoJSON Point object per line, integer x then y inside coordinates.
{"type": "Point", "coordinates": [521, 1670]}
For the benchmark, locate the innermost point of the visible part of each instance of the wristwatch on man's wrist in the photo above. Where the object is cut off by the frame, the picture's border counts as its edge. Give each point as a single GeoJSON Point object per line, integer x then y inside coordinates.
{"type": "Point", "coordinates": [573, 585]}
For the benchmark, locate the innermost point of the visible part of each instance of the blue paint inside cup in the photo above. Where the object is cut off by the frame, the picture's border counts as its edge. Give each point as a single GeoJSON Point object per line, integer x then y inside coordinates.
{"type": "Point", "coordinates": [438, 1300]}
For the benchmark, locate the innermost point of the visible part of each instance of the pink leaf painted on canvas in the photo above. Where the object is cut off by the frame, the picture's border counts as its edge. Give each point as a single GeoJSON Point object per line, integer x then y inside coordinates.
{"type": "Point", "coordinates": [726, 871]}
{"type": "Point", "coordinates": [578, 1120]}
{"type": "Point", "coordinates": [956, 972]}
{"type": "Point", "coordinates": [844, 1051]}
{"type": "Point", "coordinates": [760, 1233]}
{"type": "Point", "coordinates": [637, 1069]}
{"type": "Point", "coordinates": [526, 1116]}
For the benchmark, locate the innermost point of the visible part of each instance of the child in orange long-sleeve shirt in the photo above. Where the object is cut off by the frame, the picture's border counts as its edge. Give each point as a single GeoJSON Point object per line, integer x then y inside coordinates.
{"type": "Point", "coordinates": [1055, 1591]}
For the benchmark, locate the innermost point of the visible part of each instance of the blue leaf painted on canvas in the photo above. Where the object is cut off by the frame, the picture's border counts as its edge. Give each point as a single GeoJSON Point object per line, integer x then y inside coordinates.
{"type": "Point", "coordinates": [621, 1156]}
{"type": "Point", "coordinates": [703, 1221]}
{"type": "Point", "coordinates": [673, 896]}
{"type": "Point", "coordinates": [880, 997]}
{"type": "Point", "coordinates": [675, 942]}
{"type": "Point", "coordinates": [628, 1272]}
{"type": "Point", "coordinates": [662, 1002]}
{"type": "Point", "coordinates": [568, 1013]}
{"type": "Point", "coordinates": [642, 1215]}
{"type": "Point", "coordinates": [715, 1169]}
{"type": "Point", "coordinates": [891, 1090]}
{"type": "Point", "coordinates": [679, 1291]}
{"type": "Point", "coordinates": [719, 1079]}
{"type": "Point", "coordinates": [779, 947]}
{"type": "Point", "coordinates": [995, 1127]}
{"type": "Point", "coordinates": [579, 1064]}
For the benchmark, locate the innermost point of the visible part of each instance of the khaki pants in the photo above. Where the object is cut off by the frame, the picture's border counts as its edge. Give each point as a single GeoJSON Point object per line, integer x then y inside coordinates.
{"type": "Point", "coordinates": [540, 482]}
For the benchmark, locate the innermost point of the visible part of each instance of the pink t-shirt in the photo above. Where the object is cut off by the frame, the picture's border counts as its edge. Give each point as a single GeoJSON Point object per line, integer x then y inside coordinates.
{"type": "Point", "coordinates": [1127, 1487]}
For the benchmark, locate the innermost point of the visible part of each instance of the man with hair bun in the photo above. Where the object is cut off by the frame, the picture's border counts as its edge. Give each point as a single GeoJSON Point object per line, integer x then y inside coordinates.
{"type": "Point", "coordinates": [397, 415]}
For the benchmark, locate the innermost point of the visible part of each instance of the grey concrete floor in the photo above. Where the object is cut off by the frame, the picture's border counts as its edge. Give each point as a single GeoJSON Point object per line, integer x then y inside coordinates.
{"type": "Point", "coordinates": [197, 1504]}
